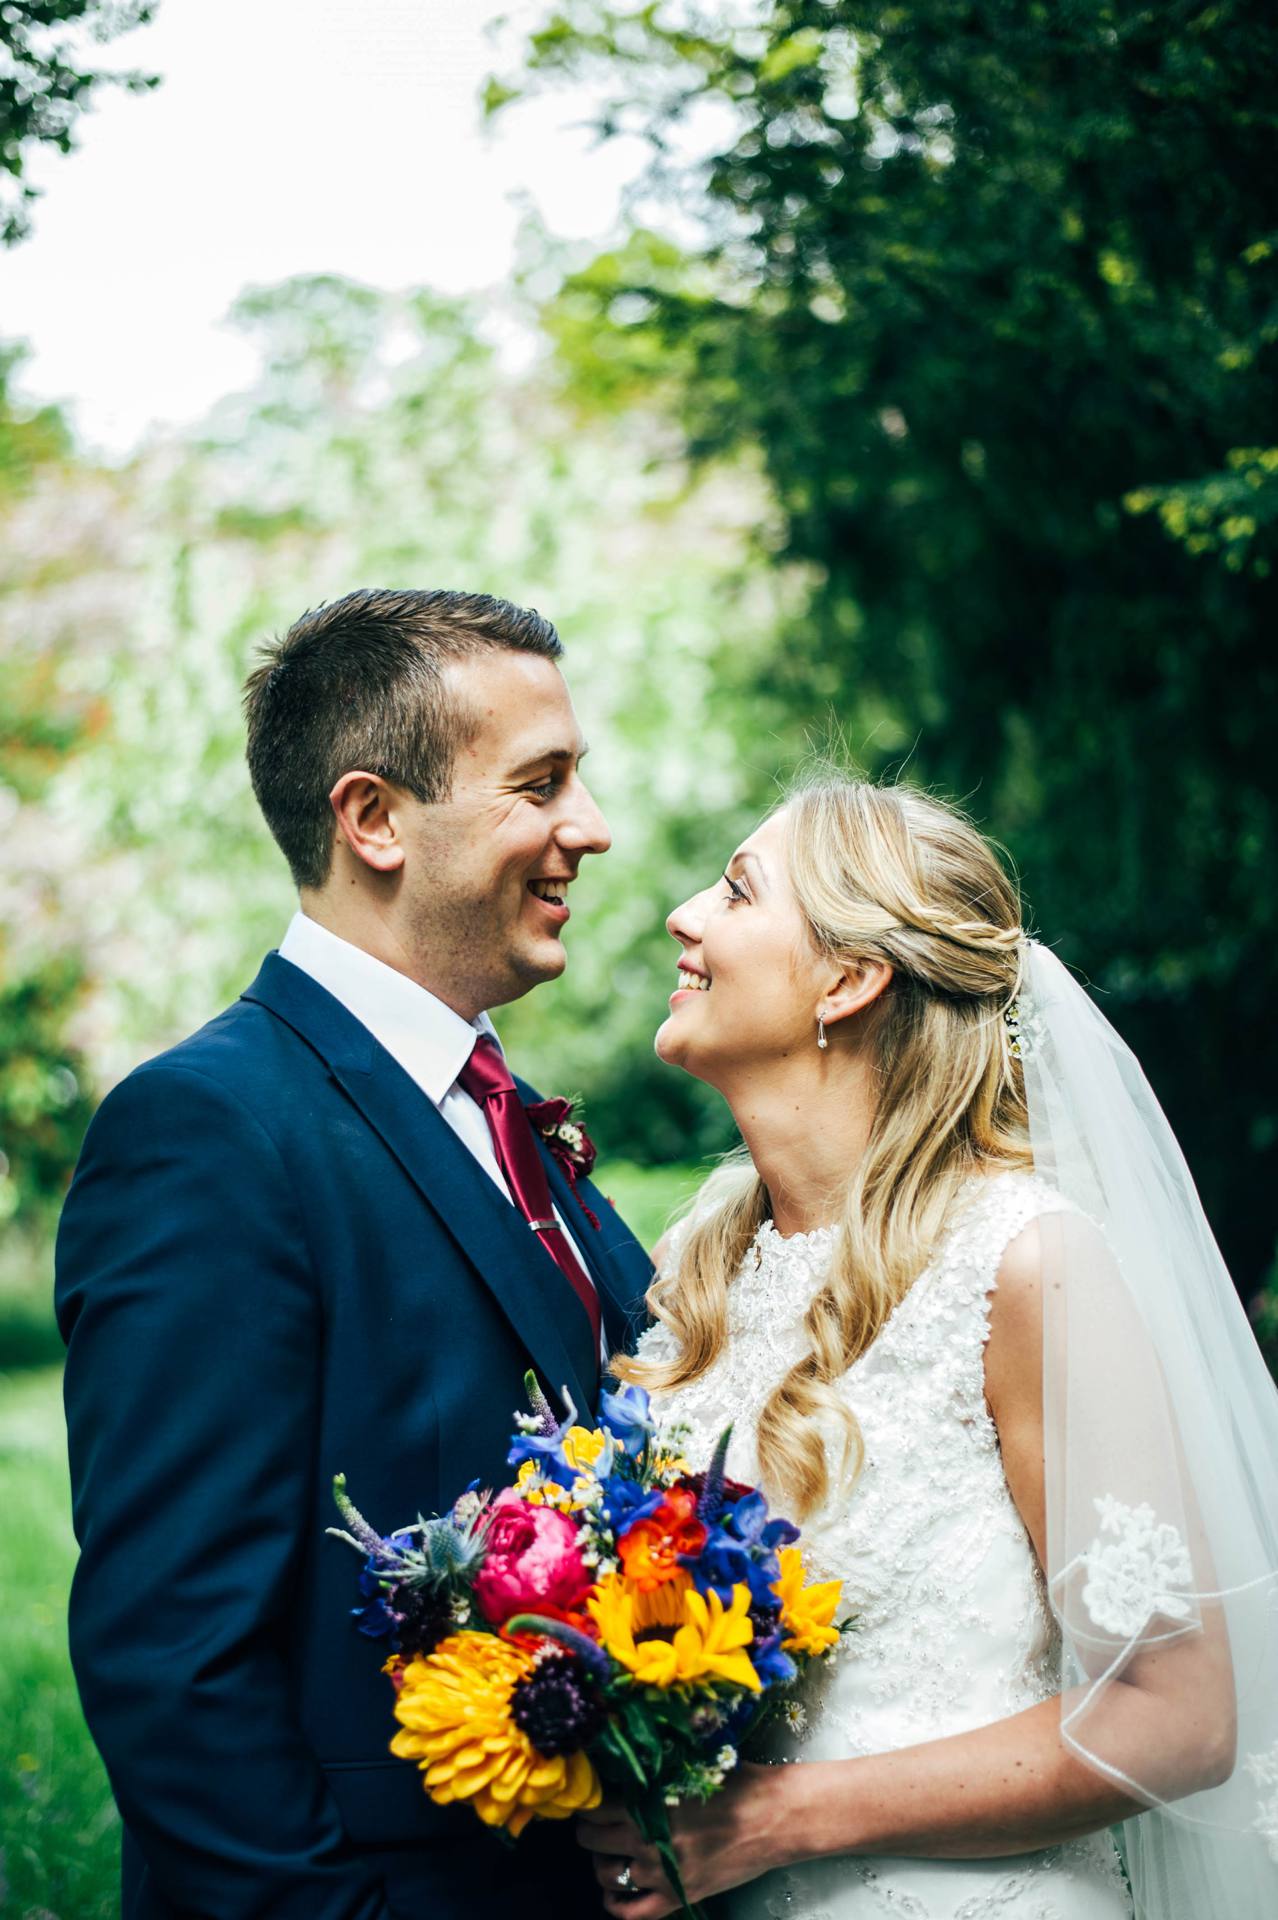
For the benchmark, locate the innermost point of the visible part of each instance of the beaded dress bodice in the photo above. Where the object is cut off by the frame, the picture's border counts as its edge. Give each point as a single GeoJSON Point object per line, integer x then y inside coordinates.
{"type": "Point", "coordinates": [952, 1626]}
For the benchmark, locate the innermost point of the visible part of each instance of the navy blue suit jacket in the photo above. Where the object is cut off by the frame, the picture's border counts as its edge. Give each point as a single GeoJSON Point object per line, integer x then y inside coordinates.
{"type": "Point", "coordinates": [278, 1262]}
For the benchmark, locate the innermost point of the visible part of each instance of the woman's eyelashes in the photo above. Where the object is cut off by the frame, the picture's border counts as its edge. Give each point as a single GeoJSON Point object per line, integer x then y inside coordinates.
{"type": "Point", "coordinates": [735, 892]}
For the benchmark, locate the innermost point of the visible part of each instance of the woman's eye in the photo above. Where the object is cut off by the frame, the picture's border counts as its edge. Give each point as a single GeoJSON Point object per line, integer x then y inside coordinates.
{"type": "Point", "coordinates": [735, 892]}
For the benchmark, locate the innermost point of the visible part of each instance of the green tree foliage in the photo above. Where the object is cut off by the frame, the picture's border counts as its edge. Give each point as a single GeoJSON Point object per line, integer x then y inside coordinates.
{"type": "Point", "coordinates": [44, 1100]}
{"type": "Point", "coordinates": [990, 288]}
{"type": "Point", "coordinates": [48, 78]}
{"type": "Point", "coordinates": [382, 444]}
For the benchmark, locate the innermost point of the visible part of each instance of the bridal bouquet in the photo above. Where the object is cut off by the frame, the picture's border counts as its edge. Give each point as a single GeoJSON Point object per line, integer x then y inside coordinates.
{"type": "Point", "coordinates": [611, 1619]}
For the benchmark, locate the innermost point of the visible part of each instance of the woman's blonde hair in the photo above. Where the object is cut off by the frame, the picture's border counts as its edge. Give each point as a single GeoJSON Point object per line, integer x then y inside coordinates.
{"type": "Point", "coordinates": [887, 874]}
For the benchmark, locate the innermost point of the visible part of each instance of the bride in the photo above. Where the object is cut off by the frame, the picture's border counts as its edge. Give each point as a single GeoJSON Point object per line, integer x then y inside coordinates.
{"type": "Point", "coordinates": [969, 1325]}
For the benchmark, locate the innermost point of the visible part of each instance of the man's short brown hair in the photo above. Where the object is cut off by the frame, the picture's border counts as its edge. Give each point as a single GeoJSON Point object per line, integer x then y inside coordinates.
{"type": "Point", "coordinates": [359, 685]}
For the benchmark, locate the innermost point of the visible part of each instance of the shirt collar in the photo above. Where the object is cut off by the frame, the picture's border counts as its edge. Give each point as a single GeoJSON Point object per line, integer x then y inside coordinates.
{"type": "Point", "coordinates": [428, 1039]}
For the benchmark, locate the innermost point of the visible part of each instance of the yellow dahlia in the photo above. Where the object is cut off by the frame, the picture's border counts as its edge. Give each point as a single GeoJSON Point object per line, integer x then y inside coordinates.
{"type": "Point", "coordinates": [807, 1613]}
{"type": "Point", "coordinates": [708, 1643]}
{"type": "Point", "coordinates": [454, 1713]}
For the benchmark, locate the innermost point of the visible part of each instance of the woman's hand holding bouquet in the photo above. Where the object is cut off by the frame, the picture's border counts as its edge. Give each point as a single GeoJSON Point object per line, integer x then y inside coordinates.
{"type": "Point", "coordinates": [612, 1620]}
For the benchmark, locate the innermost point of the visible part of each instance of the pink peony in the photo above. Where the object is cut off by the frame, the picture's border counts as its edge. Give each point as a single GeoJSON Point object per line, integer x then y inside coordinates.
{"type": "Point", "coordinates": [532, 1563]}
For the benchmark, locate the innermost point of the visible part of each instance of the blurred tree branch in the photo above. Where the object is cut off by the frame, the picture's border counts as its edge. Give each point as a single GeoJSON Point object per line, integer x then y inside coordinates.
{"type": "Point", "coordinates": [48, 78]}
{"type": "Point", "coordinates": [991, 292]}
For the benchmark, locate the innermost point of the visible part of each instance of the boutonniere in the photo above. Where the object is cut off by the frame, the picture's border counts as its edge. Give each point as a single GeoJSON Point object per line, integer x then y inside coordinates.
{"type": "Point", "coordinates": [568, 1140]}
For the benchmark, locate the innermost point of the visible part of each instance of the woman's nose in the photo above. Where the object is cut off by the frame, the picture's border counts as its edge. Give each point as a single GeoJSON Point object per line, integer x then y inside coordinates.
{"type": "Point", "coordinates": [685, 922]}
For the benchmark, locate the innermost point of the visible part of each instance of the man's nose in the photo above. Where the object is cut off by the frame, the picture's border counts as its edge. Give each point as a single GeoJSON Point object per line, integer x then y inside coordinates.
{"type": "Point", "coordinates": [584, 830]}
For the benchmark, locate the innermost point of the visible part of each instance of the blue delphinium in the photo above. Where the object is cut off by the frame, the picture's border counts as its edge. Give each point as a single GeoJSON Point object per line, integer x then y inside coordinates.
{"type": "Point", "coordinates": [376, 1617]}
{"type": "Point", "coordinates": [743, 1547]}
{"type": "Point", "coordinates": [380, 1617]}
{"type": "Point", "coordinates": [774, 1667]}
{"type": "Point", "coordinates": [626, 1415]}
{"type": "Point", "coordinates": [623, 1502]}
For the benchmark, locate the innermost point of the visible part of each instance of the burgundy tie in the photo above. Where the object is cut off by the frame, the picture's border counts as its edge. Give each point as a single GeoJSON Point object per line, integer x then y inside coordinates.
{"type": "Point", "coordinates": [486, 1078]}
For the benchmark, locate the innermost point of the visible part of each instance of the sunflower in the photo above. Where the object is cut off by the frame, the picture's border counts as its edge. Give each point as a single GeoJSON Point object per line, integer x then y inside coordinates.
{"type": "Point", "coordinates": [663, 1607]}
{"type": "Point", "coordinates": [454, 1713]}
{"type": "Point", "coordinates": [708, 1643]}
{"type": "Point", "coordinates": [807, 1613]}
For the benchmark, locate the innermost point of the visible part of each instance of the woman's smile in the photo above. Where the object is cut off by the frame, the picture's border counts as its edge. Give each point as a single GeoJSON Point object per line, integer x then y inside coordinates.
{"type": "Point", "coordinates": [690, 982]}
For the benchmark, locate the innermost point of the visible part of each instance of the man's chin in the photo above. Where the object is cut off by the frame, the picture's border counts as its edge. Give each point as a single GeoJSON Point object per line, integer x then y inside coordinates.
{"type": "Point", "coordinates": [535, 965]}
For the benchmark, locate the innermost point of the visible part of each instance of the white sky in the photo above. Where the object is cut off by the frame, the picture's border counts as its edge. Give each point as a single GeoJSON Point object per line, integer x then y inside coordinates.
{"type": "Point", "coordinates": [288, 136]}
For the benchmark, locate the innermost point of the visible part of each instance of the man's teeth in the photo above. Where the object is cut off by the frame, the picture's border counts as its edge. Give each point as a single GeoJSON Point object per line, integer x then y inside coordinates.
{"type": "Point", "coordinates": [553, 890]}
{"type": "Point", "coordinates": [695, 982]}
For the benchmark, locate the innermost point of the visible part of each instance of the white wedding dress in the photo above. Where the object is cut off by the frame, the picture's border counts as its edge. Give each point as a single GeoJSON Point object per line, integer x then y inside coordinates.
{"type": "Point", "coordinates": [952, 1626]}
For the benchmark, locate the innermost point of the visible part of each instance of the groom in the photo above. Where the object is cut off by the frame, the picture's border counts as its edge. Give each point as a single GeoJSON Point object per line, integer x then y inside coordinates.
{"type": "Point", "coordinates": [321, 1236]}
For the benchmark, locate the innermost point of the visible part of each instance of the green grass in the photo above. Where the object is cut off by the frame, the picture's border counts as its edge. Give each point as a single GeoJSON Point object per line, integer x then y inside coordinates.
{"type": "Point", "coordinates": [58, 1826]}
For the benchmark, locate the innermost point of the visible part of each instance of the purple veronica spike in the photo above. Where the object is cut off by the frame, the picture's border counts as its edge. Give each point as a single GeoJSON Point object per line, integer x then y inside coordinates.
{"type": "Point", "coordinates": [710, 1505]}
{"type": "Point", "coordinates": [546, 1444]}
{"type": "Point", "coordinates": [539, 1404]}
{"type": "Point", "coordinates": [363, 1535]}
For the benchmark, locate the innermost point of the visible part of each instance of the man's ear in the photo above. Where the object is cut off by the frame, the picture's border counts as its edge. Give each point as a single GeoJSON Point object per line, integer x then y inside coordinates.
{"type": "Point", "coordinates": [854, 990]}
{"type": "Point", "coordinates": [366, 809]}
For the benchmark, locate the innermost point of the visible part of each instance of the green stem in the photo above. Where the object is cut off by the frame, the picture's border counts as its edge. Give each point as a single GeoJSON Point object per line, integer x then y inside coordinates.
{"type": "Point", "coordinates": [632, 1757]}
{"type": "Point", "coordinates": [653, 1822]}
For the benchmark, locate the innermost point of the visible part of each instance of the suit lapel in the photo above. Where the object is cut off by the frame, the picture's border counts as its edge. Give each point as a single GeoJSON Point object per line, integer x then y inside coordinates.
{"type": "Point", "coordinates": [490, 1232]}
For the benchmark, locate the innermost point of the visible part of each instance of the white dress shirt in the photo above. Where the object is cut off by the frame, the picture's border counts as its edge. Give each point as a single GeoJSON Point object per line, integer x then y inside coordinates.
{"type": "Point", "coordinates": [431, 1042]}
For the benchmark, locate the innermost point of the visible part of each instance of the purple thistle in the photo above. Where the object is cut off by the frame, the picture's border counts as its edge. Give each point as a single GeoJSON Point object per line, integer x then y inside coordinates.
{"type": "Point", "coordinates": [558, 1706]}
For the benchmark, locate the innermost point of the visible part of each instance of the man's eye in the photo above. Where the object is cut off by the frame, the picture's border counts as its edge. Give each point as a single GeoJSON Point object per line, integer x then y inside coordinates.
{"type": "Point", "coordinates": [544, 790]}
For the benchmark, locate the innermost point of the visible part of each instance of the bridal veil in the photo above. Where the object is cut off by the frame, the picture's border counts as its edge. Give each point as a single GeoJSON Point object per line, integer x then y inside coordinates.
{"type": "Point", "coordinates": [1161, 1468]}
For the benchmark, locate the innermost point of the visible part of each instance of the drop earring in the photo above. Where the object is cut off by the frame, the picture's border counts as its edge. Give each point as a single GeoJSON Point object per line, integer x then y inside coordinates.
{"type": "Point", "coordinates": [822, 1042]}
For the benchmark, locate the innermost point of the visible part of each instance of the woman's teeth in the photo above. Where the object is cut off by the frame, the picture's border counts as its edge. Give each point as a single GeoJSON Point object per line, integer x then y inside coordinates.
{"type": "Point", "coordinates": [694, 982]}
{"type": "Point", "coordinates": [552, 890]}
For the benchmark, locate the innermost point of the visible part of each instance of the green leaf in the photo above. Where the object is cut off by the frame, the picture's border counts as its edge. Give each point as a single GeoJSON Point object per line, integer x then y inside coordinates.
{"type": "Point", "coordinates": [802, 49]}
{"type": "Point", "coordinates": [497, 94]}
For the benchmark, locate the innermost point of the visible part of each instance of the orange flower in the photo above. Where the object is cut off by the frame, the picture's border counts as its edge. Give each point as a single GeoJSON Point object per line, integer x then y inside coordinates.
{"type": "Point", "coordinates": [650, 1551]}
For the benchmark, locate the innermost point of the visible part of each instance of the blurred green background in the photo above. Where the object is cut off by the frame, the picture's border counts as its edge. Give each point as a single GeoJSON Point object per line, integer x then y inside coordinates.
{"type": "Point", "coordinates": [927, 402]}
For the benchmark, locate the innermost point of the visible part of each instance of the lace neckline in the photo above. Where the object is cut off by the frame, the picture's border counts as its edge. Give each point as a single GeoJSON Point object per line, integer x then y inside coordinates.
{"type": "Point", "coordinates": [781, 1272]}
{"type": "Point", "coordinates": [768, 1237]}
{"type": "Point", "coordinates": [768, 1243]}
